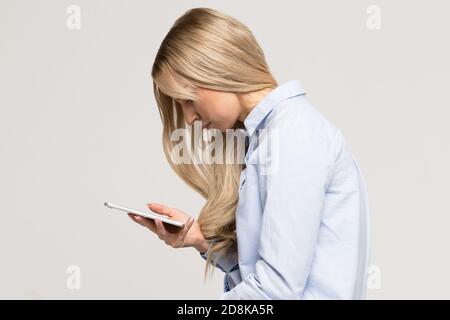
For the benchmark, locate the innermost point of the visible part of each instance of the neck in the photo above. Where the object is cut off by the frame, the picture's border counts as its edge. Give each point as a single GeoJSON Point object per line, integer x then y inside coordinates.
{"type": "Point", "coordinates": [249, 100]}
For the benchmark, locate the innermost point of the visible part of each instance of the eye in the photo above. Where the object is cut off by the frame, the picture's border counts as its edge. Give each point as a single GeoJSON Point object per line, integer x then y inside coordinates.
{"type": "Point", "coordinates": [189, 101]}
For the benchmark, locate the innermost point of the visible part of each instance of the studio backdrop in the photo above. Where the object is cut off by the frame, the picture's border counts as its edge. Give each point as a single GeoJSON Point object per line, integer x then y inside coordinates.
{"type": "Point", "coordinates": [79, 126]}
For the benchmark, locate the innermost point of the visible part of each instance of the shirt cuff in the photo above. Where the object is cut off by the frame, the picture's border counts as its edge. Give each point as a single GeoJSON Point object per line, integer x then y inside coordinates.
{"type": "Point", "coordinates": [225, 262]}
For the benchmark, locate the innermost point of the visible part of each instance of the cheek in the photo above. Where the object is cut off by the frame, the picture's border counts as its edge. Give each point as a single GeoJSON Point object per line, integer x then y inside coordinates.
{"type": "Point", "coordinates": [226, 111]}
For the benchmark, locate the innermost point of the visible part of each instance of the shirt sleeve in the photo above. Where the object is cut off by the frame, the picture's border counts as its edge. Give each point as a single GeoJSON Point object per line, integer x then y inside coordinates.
{"type": "Point", "coordinates": [225, 262]}
{"type": "Point", "coordinates": [293, 198]}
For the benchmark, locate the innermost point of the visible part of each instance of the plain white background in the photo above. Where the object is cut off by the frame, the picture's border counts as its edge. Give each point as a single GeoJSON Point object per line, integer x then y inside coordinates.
{"type": "Point", "coordinates": [79, 126]}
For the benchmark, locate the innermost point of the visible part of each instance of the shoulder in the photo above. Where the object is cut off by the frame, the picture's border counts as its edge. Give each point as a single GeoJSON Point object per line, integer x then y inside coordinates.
{"type": "Point", "coordinates": [298, 120]}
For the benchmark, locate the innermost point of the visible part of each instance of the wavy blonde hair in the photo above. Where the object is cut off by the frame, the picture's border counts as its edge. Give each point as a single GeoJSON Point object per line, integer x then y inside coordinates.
{"type": "Point", "coordinates": [208, 49]}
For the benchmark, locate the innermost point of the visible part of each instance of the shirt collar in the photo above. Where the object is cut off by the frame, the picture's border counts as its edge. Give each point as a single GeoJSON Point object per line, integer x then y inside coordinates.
{"type": "Point", "coordinates": [273, 98]}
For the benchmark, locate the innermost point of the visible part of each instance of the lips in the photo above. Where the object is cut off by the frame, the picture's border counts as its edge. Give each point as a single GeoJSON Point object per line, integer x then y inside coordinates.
{"type": "Point", "coordinates": [206, 125]}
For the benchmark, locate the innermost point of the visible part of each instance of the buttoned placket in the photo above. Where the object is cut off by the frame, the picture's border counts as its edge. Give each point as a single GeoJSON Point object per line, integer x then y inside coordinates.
{"type": "Point", "coordinates": [227, 277]}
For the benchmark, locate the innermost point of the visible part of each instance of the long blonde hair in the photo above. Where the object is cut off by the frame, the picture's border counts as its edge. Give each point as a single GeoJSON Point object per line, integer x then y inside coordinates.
{"type": "Point", "coordinates": [208, 49]}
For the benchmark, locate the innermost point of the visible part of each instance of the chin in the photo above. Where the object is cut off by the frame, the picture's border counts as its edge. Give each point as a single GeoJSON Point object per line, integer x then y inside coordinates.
{"type": "Point", "coordinates": [213, 126]}
{"type": "Point", "coordinates": [218, 127]}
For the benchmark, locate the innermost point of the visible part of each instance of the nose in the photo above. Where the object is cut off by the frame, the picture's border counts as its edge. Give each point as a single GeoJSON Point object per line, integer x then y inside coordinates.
{"type": "Point", "coordinates": [190, 115]}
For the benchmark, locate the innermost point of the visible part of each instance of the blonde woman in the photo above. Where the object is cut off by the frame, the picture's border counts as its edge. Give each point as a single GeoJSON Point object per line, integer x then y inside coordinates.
{"type": "Point", "coordinates": [289, 221]}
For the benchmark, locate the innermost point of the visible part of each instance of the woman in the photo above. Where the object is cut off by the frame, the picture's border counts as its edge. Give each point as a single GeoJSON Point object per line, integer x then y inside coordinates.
{"type": "Point", "coordinates": [290, 221]}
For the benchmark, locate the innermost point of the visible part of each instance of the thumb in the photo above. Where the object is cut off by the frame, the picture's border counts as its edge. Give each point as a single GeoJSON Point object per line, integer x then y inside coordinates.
{"type": "Point", "coordinates": [160, 208]}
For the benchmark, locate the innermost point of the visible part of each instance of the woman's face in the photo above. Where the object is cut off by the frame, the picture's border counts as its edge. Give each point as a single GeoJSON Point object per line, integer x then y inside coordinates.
{"type": "Point", "coordinates": [216, 109]}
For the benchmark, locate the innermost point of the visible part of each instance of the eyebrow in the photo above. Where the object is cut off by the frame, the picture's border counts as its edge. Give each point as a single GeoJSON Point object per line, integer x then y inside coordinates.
{"type": "Point", "coordinates": [178, 100]}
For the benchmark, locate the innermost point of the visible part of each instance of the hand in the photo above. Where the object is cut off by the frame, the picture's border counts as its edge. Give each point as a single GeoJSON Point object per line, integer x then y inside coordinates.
{"type": "Point", "coordinates": [188, 236]}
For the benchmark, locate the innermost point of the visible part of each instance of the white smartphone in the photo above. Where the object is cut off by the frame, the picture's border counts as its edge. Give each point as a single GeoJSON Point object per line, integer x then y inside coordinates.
{"type": "Point", "coordinates": [149, 215]}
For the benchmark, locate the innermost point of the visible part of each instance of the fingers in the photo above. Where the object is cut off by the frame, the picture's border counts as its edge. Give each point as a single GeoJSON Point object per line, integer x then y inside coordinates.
{"type": "Point", "coordinates": [179, 242]}
{"type": "Point", "coordinates": [148, 223]}
{"type": "Point", "coordinates": [160, 230]}
{"type": "Point", "coordinates": [176, 240]}
{"type": "Point", "coordinates": [187, 226]}
{"type": "Point", "coordinates": [132, 217]}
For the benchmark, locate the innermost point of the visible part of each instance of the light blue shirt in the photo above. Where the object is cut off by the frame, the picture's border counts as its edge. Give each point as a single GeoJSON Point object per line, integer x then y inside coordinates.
{"type": "Point", "coordinates": [302, 220]}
